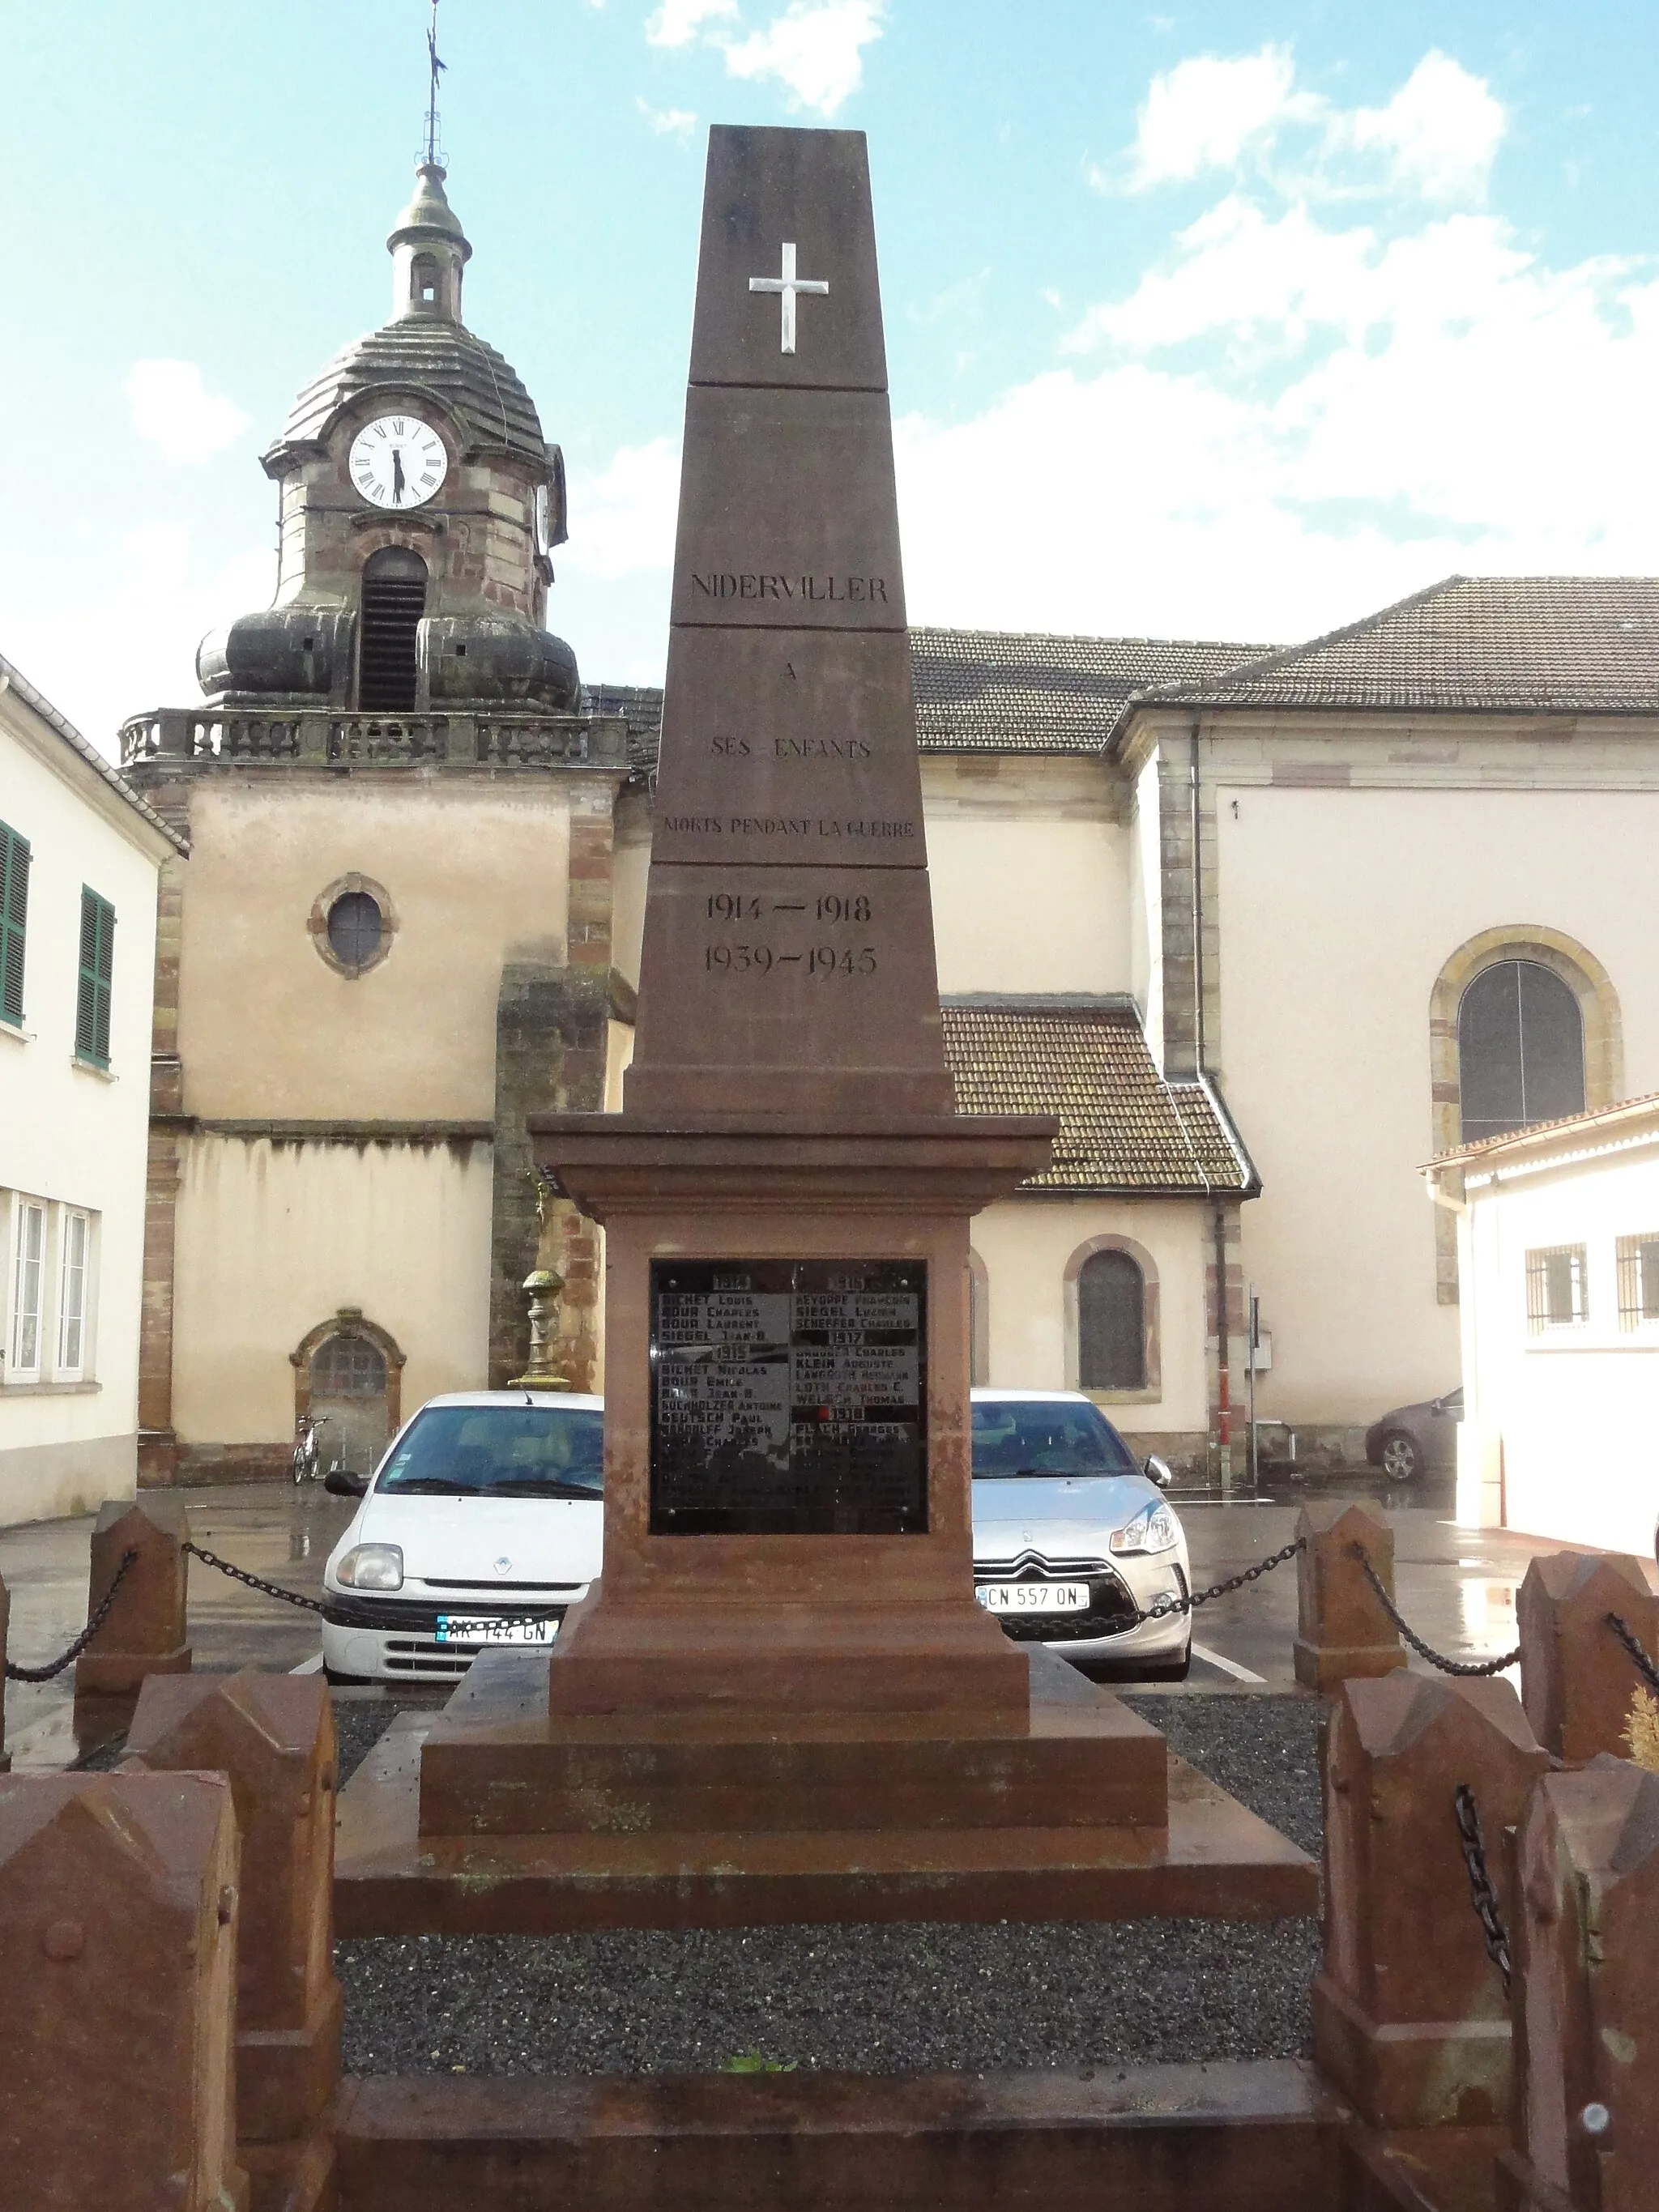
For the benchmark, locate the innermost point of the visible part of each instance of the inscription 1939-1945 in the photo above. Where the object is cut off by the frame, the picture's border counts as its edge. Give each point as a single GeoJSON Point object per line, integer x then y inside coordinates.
{"type": "Point", "coordinates": [788, 1397]}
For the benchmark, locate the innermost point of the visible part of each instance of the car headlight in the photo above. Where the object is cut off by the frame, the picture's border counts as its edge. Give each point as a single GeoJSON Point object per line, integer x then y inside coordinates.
{"type": "Point", "coordinates": [1154, 1529]}
{"type": "Point", "coordinates": [372, 1566]}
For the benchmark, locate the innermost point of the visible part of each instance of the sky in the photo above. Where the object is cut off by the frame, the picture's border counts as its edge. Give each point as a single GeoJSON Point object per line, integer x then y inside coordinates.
{"type": "Point", "coordinates": [1231, 321]}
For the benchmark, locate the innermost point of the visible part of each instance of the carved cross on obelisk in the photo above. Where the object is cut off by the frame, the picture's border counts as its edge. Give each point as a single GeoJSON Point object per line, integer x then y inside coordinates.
{"type": "Point", "coordinates": [788, 959]}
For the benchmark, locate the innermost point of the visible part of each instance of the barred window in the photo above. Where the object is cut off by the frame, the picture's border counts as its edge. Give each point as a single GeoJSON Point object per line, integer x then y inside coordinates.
{"type": "Point", "coordinates": [1556, 1294]}
{"type": "Point", "coordinates": [1639, 1280]}
{"type": "Point", "coordinates": [346, 1367]}
{"type": "Point", "coordinates": [1111, 1323]}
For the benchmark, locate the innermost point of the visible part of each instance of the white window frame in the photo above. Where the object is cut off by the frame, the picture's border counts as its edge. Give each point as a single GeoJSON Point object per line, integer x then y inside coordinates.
{"type": "Point", "coordinates": [72, 1312]}
{"type": "Point", "coordinates": [26, 1212]}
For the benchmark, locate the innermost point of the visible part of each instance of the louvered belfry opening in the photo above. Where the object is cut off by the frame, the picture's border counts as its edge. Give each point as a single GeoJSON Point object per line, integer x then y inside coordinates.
{"type": "Point", "coordinates": [394, 600]}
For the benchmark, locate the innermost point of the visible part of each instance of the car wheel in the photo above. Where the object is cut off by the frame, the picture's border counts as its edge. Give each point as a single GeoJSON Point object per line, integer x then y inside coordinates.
{"type": "Point", "coordinates": [1170, 1670]}
{"type": "Point", "coordinates": [1401, 1458]}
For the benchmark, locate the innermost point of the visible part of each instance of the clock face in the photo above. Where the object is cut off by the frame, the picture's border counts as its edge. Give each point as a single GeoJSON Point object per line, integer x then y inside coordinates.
{"type": "Point", "coordinates": [397, 460]}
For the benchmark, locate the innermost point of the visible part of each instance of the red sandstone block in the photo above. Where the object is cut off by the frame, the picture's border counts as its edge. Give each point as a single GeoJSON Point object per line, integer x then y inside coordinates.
{"type": "Point", "coordinates": [1577, 1679]}
{"type": "Point", "coordinates": [1342, 1630]}
{"type": "Point", "coordinates": [145, 1631]}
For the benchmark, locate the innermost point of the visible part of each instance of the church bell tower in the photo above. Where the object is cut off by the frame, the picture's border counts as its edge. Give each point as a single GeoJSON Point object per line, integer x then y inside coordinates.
{"type": "Point", "coordinates": [420, 505]}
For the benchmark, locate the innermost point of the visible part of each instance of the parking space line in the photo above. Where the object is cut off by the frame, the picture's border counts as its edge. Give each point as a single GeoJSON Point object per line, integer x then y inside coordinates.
{"type": "Point", "coordinates": [1227, 1666]}
{"type": "Point", "coordinates": [312, 1666]}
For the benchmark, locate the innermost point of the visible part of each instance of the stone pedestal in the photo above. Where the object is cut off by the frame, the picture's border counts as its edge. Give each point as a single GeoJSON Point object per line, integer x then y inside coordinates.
{"type": "Point", "coordinates": [1587, 2012]}
{"type": "Point", "coordinates": [1410, 2019]}
{"type": "Point", "coordinates": [146, 1631]}
{"type": "Point", "coordinates": [273, 1737]}
{"type": "Point", "coordinates": [1577, 1681]}
{"type": "Point", "coordinates": [1342, 1631]}
{"type": "Point", "coordinates": [117, 1951]}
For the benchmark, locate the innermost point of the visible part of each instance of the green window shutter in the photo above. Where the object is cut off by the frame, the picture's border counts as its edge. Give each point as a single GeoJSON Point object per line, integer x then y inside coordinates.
{"type": "Point", "coordinates": [97, 966]}
{"type": "Point", "coordinates": [14, 920]}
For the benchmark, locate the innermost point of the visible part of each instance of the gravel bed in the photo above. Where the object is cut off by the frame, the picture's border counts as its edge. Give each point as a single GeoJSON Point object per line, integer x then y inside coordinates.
{"type": "Point", "coordinates": [869, 1999]}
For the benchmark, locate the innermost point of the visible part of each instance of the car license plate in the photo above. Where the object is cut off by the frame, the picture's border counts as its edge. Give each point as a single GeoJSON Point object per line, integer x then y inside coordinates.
{"type": "Point", "coordinates": [1033, 1597]}
{"type": "Point", "coordinates": [471, 1628]}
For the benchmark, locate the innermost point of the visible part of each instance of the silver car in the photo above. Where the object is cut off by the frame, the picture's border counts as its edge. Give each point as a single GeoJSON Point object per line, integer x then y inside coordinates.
{"type": "Point", "coordinates": [1072, 1542]}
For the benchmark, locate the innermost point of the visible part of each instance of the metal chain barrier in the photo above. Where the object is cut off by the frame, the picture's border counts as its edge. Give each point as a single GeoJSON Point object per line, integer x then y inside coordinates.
{"type": "Point", "coordinates": [253, 1581]}
{"type": "Point", "coordinates": [1644, 1666]}
{"type": "Point", "coordinates": [99, 1616]}
{"type": "Point", "coordinates": [1469, 1667]}
{"type": "Point", "coordinates": [1165, 1606]}
{"type": "Point", "coordinates": [1482, 1895]}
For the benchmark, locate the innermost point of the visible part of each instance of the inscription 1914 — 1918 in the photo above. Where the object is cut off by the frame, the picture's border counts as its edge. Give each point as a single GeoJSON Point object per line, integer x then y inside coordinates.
{"type": "Point", "coordinates": [788, 1397]}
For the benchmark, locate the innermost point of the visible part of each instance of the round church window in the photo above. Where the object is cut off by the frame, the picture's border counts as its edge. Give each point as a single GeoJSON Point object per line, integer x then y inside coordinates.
{"type": "Point", "coordinates": [354, 930]}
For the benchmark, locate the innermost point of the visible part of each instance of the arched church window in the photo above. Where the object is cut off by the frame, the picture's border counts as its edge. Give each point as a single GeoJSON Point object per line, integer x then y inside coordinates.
{"type": "Point", "coordinates": [393, 602]}
{"type": "Point", "coordinates": [1111, 1323]}
{"type": "Point", "coordinates": [356, 928]}
{"type": "Point", "coordinates": [1519, 1049]}
{"type": "Point", "coordinates": [347, 1367]}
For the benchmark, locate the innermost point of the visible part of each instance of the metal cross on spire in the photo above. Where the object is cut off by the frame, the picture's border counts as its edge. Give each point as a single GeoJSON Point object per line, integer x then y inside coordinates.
{"type": "Point", "coordinates": [432, 97]}
{"type": "Point", "coordinates": [786, 285]}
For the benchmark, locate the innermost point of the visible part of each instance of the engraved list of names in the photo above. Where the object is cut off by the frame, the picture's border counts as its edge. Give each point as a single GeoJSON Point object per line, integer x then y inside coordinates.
{"type": "Point", "coordinates": [788, 1397]}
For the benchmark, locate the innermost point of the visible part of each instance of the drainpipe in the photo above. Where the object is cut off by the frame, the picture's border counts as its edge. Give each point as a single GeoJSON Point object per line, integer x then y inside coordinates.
{"type": "Point", "coordinates": [1223, 1349]}
{"type": "Point", "coordinates": [1439, 1196]}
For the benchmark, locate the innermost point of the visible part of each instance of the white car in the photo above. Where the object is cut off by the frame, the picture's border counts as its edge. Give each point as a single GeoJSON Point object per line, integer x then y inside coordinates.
{"type": "Point", "coordinates": [482, 1524]}
{"type": "Point", "coordinates": [1073, 1540]}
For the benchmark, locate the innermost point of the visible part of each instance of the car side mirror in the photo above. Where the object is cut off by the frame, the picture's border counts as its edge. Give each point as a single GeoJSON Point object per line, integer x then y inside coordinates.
{"type": "Point", "coordinates": [340, 1482]}
{"type": "Point", "coordinates": [1158, 1471]}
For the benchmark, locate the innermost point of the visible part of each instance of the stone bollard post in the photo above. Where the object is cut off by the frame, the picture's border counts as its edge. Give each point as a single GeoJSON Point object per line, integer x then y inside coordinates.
{"type": "Point", "coordinates": [273, 1735]}
{"type": "Point", "coordinates": [1587, 1995]}
{"type": "Point", "coordinates": [117, 1954]}
{"type": "Point", "coordinates": [1341, 1630]}
{"type": "Point", "coordinates": [1577, 1679]}
{"type": "Point", "coordinates": [1409, 2014]}
{"type": "Point", "coordinates": [146, 1629]}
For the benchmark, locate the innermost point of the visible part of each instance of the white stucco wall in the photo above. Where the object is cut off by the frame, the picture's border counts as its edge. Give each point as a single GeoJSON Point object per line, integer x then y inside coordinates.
{"type": "Point", "coordinates": [1025, 1244]}
{"type": "Point", "coordinates": [274, 1238]}
{"type": "Point", "coordinates": [1029, 867]}
{"type": "Point", "coordinates": [1559, 1435]}
{"type": "Point", "coordinates": [1338, 909]}
{"type": "Point", "coordinates": [70, 1135]}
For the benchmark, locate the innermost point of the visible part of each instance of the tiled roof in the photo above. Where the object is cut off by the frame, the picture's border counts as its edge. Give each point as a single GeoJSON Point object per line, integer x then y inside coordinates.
{"type": "Point", "coordinates": [1480, 644]}
{"type": "Point", "coordinates": [1122, 1128]}
{"type": "Point", "coordinates": [1605, 1121]}
{"type": "Point", "coordinates": [641, 707]}
{"type": "Point", "coordinates": [995, 691]}
{"type": "Point", "coordinates": [491, 408]}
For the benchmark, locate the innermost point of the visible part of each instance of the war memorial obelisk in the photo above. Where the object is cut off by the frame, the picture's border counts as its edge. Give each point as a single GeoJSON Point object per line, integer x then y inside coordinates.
{"type": "Point", "coordinates": [780, 1700]}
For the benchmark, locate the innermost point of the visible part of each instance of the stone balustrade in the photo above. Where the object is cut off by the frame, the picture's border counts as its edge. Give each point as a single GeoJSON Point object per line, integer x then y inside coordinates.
{"type": "Point", "coordinates": [319, 736]}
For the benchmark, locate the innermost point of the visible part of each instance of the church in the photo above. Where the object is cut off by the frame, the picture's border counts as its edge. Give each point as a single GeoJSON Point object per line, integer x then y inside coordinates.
{"type": "Point", "coordinates": [1266, 926]}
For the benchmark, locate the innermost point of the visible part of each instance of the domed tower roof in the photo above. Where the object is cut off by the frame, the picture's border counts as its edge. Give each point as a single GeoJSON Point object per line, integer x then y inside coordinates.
{"type": "Point", "coordinates": [426, 347]}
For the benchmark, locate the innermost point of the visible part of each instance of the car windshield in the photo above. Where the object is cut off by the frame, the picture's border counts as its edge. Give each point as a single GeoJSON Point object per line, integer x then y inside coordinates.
{"type": "Point", "coordinates": [499, 1451]}
{"type": "Point", "coordinates": [1016, 1437]}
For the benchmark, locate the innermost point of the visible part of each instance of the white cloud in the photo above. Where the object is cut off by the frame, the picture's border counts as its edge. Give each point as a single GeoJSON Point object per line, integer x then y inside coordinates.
{"type": "Point", "coordinates": [815, 48]}
{"type": "Point", "coordinates": [677, 22]}
{"type": "Point", "coordinates": [1440, 132]}
{"type": "Point", "coordinates": [622, 517]}
{"type": "Point", "coordinates": [1437, 138]}
{"type": "Point", "coordinates": [1205, 112]}
{"type": "Point", "coordinates": [1291, 424]}
{"type": "Point", "coordinates": [172, 406]}
{"type": "Point", "coordinates": [152, 602]}
{"type": "Point", "coordinates": [668, 122]}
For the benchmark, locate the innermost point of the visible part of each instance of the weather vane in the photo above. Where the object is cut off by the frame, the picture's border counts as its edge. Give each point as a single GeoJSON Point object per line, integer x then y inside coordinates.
{"type": "Point", "coordinates": [432, 97]}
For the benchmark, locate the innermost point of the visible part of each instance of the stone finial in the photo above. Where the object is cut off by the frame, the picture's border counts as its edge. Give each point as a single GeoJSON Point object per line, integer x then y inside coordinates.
{"type": "Point", "coordinates": [273, 1737]}
{"type": "Point", "coordinates": [1587, 2010]}
{"type": "Point", "coordinates": [1342, 1628]}
{"type": "Point", "coordinates": [118, 1956]}
{"type": "Point", "coordinates": [1410, 2018]}
{"type": "Point", "coordinates": [146, 1630]}
{"type": "Point", "coordinates": [1577, 1681]}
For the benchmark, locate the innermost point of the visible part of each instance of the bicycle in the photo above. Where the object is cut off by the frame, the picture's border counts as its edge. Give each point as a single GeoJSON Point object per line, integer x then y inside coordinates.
{"type": "Point", "coordinates": [306, 1454]}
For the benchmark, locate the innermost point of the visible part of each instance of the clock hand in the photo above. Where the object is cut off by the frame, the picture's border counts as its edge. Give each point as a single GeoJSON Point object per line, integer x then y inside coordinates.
{"type": "Point", "coordinates": [396, 473]}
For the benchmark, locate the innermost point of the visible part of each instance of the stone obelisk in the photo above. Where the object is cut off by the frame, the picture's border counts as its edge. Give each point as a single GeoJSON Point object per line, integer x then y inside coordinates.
{"type": "Point", "coordinates": [787, 1192]}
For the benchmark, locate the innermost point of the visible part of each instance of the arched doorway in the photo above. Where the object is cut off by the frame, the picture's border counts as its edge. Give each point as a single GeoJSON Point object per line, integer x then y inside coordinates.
{"type": "Point", "coordinates": [349, 1377]}
{"type": "Point", "coordinates": [394, 600]}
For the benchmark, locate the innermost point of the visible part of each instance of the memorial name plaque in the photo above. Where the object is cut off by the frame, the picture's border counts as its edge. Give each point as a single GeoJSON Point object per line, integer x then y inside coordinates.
{"type": "Point", "coordinates": [788, 1397]}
